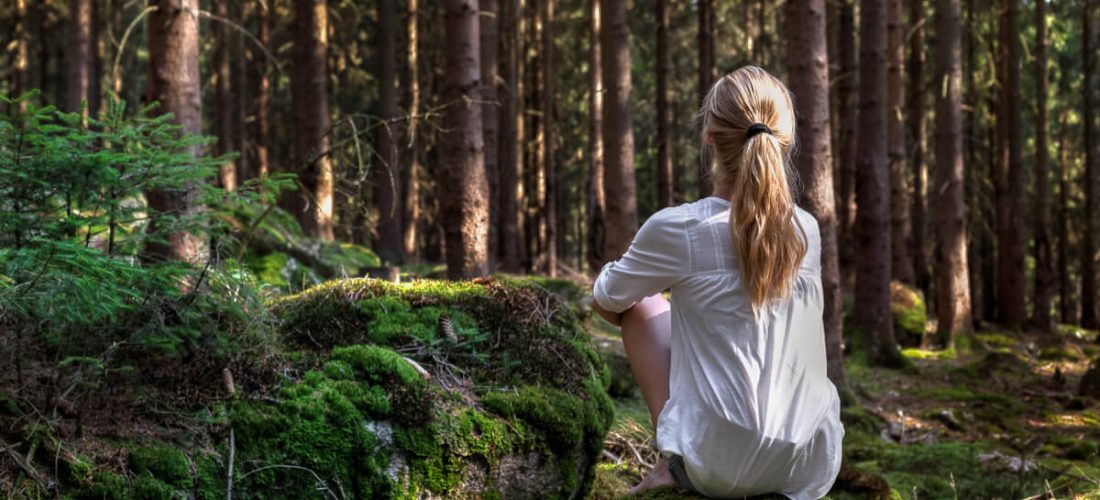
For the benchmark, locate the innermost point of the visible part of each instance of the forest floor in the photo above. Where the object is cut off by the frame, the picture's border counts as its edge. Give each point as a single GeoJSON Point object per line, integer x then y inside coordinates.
{"type": "Point", "coordinates": [999, 419]}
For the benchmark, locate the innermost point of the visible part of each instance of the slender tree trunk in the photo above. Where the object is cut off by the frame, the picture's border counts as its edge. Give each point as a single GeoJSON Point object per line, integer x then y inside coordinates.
{"type": "Point", "coordinates": [464, 193]}
{"type": "Point", "coordinates": [508, 210]}
{"type": "Point", "coordinates": [548, 138]}
{"type": "Point", "coordinates": [1090, 180]}
{"type": "Point", "coordinates": [410, 178]}
{"type": "Point", "coordinates": [175, 83]}
{"type": "Point", "coordinates": [490, 116]}
{"type": "Point", "coordinates": [872, 292]}
{"type": "Point", "coordinates": [808, 73]}
{"type": "Point", "coordinates": [618, 135]}
{"type": "Point", "coordinates": [847, 82]}
{"type": "Point", "coordinates": [20, 78]}
{"type": "Point", "coordinates": [79, 84]}
{"type": "Point", "coordinates": [901, 232]}
{"type": "Point", "coordinates": [95, 91]}
{"type": "Point", "coordinates": [1009, 180]}
{"type": "Point", "coordinates": [1065, 282]}
{"type": "Point", "coordinates": [1044, 262]}
{"type": "Point", "coordinates": [664, 161]}
{"type": "Point", "coordinates": [952, 281]}
{"type": "Point", "coordinates": [224, 98]}
{"type": "Point", "coordinates": [263, 92]}
{"type": "Point", "coordinates": [387, 176]}
{"type": "Point", "coordinates": [919, 139]}
{"type": "Point", "coordinates": [595, 140]}
{"type": "Point", "coordinates": [707, 76]}
{"type": "Point", "coordinates": [309, 93]}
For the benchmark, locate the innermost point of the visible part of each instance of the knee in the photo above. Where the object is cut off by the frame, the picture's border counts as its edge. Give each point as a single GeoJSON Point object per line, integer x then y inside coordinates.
{"type": "Point", "coordinates": [647, 308]}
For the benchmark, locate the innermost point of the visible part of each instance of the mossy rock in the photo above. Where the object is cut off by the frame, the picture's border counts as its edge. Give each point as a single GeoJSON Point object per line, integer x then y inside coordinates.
{"type": "Point", "coordinates": [428, 389]}
{"type": "Point", "coordinates": [909, 312]}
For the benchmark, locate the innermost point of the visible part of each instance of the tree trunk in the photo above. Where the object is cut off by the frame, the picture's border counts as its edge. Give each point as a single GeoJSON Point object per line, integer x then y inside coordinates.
{"type": "Point", "coordinates": [596, 198]}
{"type": "Point", "coordinates": [707, 76]}
{"type": "Point", "coordinates": [1091, 177]}
{"type": "Point", "coordinates": [901, 233]}
{"type": "Point", "coordinates": [847, 82]}
{"type": "Point", "coordinates": [1067, 314]}
{"type": "Point", "coordinates": [872, 292]}
{"type": "Point", "coordinates": [508, 210]}
{"type": "Point", "coordinates": [952, 281]}
{"type": "Point", "coordinates": [919, 137]}
{"type": "Point", "coordinates": [808, 63]}
{"type": "Point", "coordinates": [1044, 263]}
{"type": "Point", "coordinates": [464, 188]}
{"type": "Point", "coordinates": [175, 83]}
{"type": "Point", "coordinates": [1009, 180]}
{"type": "Point", "coordinates": [490, 117]}
{"type": "Point", "coordinates": [309, 93]}
{"type": "Point", "coordinates": [664, 161]}
{"type": "Point", "coordinates": [263, 92]}
{"type": "Point", "coordinates": [548, 139]}
{"type": "Point", "coordinates": [618, 135]}
{"type": "Point", "coordinates": [410, 178]}
{"type": "Point", "coordinates": [387, 176]}
{"type": "Point", "coordinates": [20, 79]}
{"type": "Point", "coordinates": [79, 84]}
{"type": "Point", "coordinates": [224, 98]}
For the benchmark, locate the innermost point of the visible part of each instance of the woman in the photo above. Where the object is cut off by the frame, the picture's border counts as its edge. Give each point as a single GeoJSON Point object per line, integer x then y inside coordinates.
{"type": "Point", "coordinates": [733, 370]}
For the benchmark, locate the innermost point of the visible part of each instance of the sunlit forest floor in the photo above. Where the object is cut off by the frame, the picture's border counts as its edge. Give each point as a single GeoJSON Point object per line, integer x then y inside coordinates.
{"type": "Point", "coordinates": [996, 419]}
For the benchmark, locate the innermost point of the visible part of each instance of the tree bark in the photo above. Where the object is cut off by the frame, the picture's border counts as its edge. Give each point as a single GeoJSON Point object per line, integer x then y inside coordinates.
{"type": "Point", "coordinates": [952, 280]}
{"type": "Point", "coordinates": [918, 135]}
{"type": "Point", "coordinates": [263, 92]}
{"type": "Point", "coordinates": [490, 117]}
{"type": "Point", "coordinates": [808, 63]}
{"type": "Point", "coordinates": [1067, 314]}
{"type": "Point", "coordinates": [707, 76]}
{"type": "Point", "coordinates": [872, 292]}
{"type": "Point", "coordinates": [1090, 180]}
{"type": "Point", "coordinates": [20, 79]}
{"type": "Point", "coordinates": [548, 139]}
{"type": "Point", "coordinates": [175, 83]}
{"type": "Point", "coordinates": [1009, 180]}
{"type": "Point", "coordinates": [1044, 262]}
{"type": "Point", "coordinates": [464, 188]}
{"type": "Point", "coordinates": [595, 201]}
{"type": "Point", "coordinates": [664, 161]}
{"type": "Point", "coordinates": [79, 77]}
{"type": "Point", "coordinates": [387, 176]}
{"type": "Point", "coordinates": [847, 82]}
{"type": "Point", "coordinates": [901, 232]}
{"type": "Point", "coordinates": [508, 210]}
{"type": "Point", "coordinates": [410, 178]}
{"type": "Point", "coordinates": [224, 98]}
{"type": "Point", "coordinates": [309, 92]}
{"type": "Point", "coordinates": [618, 135]}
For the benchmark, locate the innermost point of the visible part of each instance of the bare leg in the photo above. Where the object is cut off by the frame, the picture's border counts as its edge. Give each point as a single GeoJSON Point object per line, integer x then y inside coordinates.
{"type": "Point", "coordinates": [647, 335]}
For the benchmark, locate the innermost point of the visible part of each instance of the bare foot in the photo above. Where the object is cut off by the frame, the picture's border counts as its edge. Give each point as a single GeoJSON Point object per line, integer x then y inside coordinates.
{"type": "Point", "coordinates": [659, 476]}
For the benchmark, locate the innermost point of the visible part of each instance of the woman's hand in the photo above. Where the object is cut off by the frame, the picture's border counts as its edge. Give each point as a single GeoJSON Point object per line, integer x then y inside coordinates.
{"type": "Point", "coordinates": [613, 318]}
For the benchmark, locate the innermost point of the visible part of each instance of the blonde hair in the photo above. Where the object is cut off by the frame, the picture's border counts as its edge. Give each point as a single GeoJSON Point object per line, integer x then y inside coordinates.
{"type": "Point", "coordinates": [768, 237]}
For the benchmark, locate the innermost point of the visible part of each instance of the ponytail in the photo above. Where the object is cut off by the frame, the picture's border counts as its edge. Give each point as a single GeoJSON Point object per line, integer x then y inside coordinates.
{"type": "Point", "coordinates": [750, 120]}
{"type": "Point", "coordinates": [762, 221]}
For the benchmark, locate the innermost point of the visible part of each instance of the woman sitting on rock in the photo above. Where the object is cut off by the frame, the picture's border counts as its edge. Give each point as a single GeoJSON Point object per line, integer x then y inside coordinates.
{"type": "Point", "coordinates": [733, 370]}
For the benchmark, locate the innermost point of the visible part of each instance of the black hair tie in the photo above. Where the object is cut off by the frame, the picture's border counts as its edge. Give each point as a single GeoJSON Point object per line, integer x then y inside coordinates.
{"type": "Point", "coordinates": [757, 128]}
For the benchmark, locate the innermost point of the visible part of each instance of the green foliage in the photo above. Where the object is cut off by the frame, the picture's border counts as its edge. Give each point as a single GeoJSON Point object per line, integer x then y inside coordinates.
{"type": "Point", "coordinates": [165, 463]}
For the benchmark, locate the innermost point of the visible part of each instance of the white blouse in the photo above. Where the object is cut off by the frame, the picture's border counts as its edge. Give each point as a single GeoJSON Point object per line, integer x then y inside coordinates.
{"type": "Point", "coordinates": [750, 407]}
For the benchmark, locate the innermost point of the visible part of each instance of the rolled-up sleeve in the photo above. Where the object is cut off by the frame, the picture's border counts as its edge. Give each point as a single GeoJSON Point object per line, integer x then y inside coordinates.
{"type": "Point", "coordinates": [657, 258]}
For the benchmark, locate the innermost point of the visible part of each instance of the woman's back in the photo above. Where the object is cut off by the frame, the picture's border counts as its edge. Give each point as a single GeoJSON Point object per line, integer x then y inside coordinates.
{"type": "Point", "coordinates": [748, 393]}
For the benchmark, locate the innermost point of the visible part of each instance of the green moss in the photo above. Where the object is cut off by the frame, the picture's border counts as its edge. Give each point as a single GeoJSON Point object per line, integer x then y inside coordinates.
{"type": "Point", "coordinates": [916, 353]}
{"type": "Point", "coordinates": [105, 485]}
{"type": "Point", "coordinates": [150, 488]}
{"type": "Point", "coordinates": [162, 462]}
{"type": "Point", "coordinates": [909, 312]}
